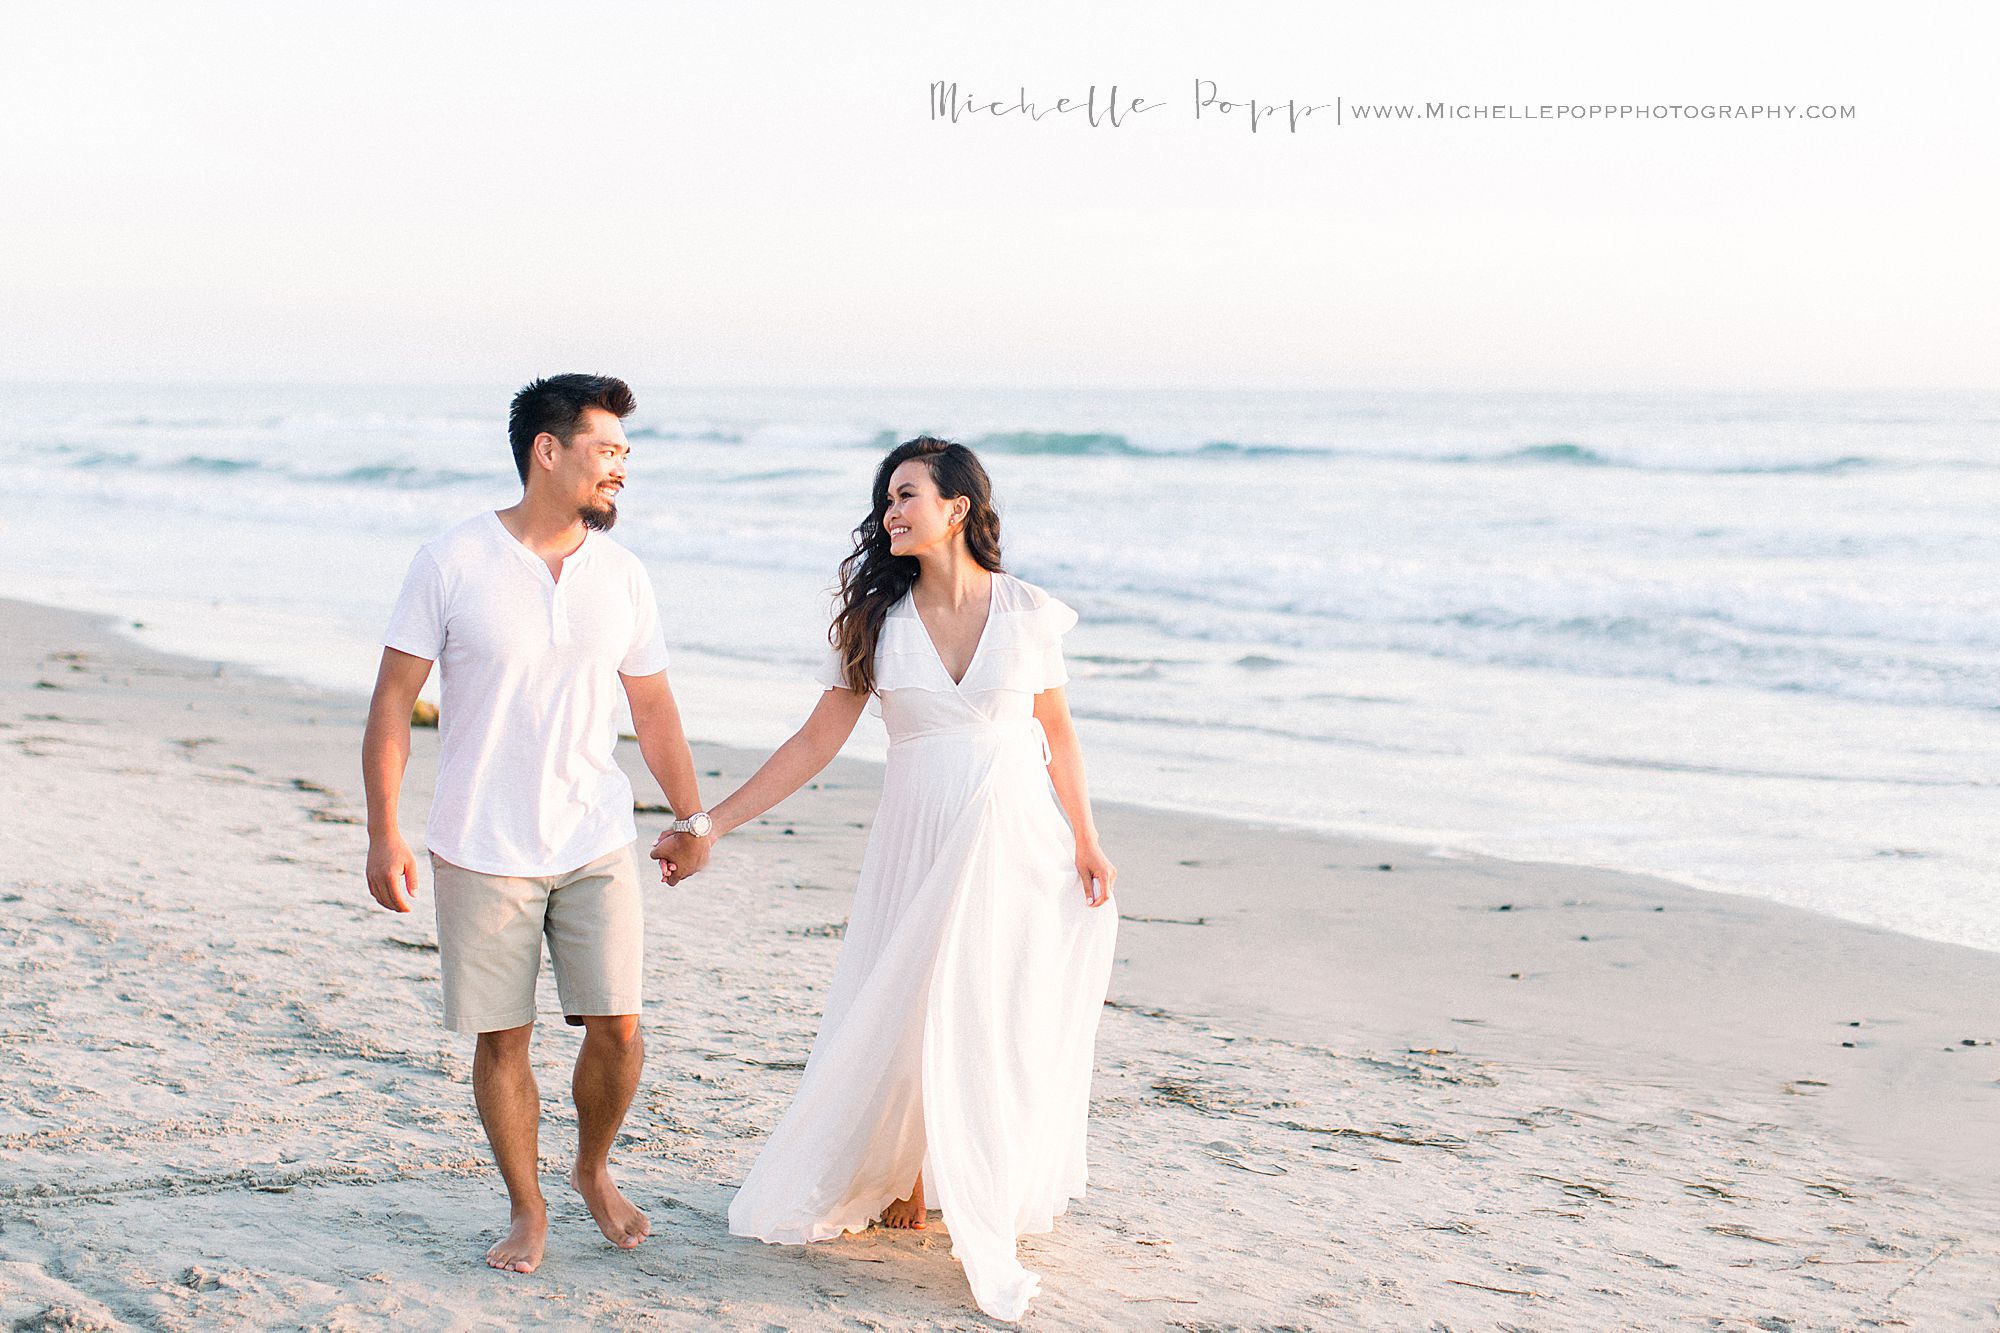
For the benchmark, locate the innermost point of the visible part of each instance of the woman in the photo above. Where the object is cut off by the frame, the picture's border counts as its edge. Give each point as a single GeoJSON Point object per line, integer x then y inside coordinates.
{"type": "Point", "coordinates": [953, 1064]}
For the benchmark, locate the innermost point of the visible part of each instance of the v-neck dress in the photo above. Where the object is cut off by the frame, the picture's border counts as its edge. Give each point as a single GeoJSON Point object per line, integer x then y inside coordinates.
{"type": "Point", "coordinates": [963, 1012]}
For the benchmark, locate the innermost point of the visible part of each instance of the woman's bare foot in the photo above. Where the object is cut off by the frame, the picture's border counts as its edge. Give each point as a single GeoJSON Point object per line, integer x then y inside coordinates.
{"type": "Point", "coordinates": [622, 1223]}
{"type": "Point", "coordinates": [907, 1214]}
{"type": "Point", "coordinates": [520, 1250]}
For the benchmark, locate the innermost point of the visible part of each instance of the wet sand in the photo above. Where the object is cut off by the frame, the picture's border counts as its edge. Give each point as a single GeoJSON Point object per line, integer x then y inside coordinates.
{"type": "Point", "coordinates": [1456, 1092]}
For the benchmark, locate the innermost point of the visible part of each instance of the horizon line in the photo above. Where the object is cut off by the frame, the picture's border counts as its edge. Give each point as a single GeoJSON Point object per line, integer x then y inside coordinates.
{"type": "Point", "coordinates": [10, 381]}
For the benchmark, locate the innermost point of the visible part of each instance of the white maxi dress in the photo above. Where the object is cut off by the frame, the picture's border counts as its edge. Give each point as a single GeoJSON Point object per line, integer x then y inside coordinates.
{"type": "Point", "coordinates": [960, 1023]}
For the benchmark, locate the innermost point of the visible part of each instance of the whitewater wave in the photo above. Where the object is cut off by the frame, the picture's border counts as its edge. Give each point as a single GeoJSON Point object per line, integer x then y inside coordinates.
{"type": "Point", "coordinates": [1060, 444]}
{"type": "Point", "coordinates": [394, 476]}
{"type": "Point", "coordinates": [404, 478]}
{"type": "Point", "coordinates": [1106, 444]}
{"type": "Point", "coordinates": [1578, 455]}
{"type": "Point", "coordinates": [690, 435]}
{"type": "Point", "coordinates": [244, 445]}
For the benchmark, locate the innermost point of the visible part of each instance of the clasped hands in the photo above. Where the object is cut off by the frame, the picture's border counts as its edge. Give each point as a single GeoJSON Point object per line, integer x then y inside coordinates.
{"type": "Point", "coordinates": [680, 855]}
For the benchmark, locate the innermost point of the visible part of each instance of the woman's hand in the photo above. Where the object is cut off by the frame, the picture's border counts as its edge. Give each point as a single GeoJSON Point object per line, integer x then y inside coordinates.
{"type": "Point", "coordinates": [1096, 872]}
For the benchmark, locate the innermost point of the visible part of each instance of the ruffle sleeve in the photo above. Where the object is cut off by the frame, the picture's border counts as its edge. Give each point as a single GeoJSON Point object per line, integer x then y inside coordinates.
{"type": "Point", "coordinates": [827, 671]}
{"type": "Point", "coordinates": [1057, 620]}
{"type": "Point", "coordinates": [904, 658]}
{"type": "Point", "coordinates": [1023, 648]}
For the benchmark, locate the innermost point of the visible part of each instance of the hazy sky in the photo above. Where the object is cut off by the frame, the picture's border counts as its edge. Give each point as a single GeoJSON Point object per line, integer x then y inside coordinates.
{"type": "Point", "coordinates": [753, 193]}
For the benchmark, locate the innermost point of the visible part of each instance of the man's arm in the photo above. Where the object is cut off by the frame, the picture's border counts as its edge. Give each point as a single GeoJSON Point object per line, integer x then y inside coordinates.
{"type": "Point", "coordinates": [656, 721]}
{"type": "Point", "coordinates": [385, 751]}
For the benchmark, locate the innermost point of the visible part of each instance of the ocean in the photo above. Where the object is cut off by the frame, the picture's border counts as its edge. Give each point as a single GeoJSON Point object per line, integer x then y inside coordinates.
{"type": "Point", "coordinates": [1745, 641]}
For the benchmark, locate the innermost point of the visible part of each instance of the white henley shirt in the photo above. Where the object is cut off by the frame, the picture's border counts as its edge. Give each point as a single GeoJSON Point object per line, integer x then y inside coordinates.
{"type": "Point", "coordinates": [527, 781]}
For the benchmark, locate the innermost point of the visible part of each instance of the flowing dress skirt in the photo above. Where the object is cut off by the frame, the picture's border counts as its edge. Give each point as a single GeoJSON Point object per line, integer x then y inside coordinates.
{"type": "Point", "coordinates": [960, 1024]}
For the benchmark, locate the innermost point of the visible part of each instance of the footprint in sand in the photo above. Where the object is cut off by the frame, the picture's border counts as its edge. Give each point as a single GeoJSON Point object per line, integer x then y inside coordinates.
{"type": "Point", "coordinates": [1233, 1154]}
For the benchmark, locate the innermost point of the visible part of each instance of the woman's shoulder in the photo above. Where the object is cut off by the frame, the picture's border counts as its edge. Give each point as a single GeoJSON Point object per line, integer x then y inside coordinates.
{"type": "Point", "coordinates": [1017, 594]}
{"type": "Point", "coordinates": [902, 632]}
{"type": "Point", "coordinates": [1031, 603]}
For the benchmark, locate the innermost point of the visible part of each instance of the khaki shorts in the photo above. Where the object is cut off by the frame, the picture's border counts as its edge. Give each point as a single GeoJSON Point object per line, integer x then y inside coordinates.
{"type": "Point", "coordinates": [490, 930]}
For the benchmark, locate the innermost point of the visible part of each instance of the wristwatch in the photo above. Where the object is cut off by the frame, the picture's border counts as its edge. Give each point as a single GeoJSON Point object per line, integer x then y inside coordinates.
{"type": "Point", "coordinates": [697, 823]}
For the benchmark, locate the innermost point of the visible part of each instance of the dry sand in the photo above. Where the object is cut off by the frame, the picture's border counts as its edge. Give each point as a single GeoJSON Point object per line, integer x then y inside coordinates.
{"type": "Point", "coordinates": [1329, 1095]}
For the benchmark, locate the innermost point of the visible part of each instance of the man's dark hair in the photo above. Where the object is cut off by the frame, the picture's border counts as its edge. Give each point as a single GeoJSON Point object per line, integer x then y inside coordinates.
{"type": "Point", "coordinates": [556, 405]}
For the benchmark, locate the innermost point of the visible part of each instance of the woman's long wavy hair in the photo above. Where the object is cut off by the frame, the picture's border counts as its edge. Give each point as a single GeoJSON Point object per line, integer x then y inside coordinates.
{"type": "Point", "coordinates": [872, 580]}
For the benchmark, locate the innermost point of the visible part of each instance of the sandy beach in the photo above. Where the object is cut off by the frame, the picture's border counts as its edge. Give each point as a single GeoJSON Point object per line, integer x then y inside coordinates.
{"type": "Point", "coordinates": [1340, 1084]}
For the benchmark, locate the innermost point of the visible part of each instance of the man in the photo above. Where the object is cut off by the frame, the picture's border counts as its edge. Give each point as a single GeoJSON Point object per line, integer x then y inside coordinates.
{"type": "Point", "coordinates": [533, 613]}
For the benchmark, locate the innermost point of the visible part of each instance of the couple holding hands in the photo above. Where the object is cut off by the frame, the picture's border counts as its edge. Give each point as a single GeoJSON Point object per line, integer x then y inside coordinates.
{"type": "Point", "coordinates": [952, 1066]}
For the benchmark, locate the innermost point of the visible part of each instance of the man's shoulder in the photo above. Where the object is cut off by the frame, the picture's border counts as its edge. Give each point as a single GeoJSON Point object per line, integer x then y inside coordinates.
{"type": "Point", "coordinates": [460, 540]}
{"type": "Point", "coordinates": [616, 558]}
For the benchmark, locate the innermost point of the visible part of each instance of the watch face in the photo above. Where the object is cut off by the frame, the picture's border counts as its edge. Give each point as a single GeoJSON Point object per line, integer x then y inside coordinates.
{"type": "Point", "coordinates": [698, 825]}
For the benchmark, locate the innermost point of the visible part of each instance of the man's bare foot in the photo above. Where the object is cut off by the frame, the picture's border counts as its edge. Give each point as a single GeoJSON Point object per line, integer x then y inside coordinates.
{"type": "Point", "coordinates": [622, 1224]}
{"type": "Point", "coordinates": [520, 1250]}
{"type": "Point", "coordinates": [907, 1214]}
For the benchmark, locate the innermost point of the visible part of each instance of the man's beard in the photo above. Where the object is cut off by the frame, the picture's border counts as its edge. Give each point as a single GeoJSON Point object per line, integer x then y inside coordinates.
{"type": "Point", "coordinates": [599, 517]}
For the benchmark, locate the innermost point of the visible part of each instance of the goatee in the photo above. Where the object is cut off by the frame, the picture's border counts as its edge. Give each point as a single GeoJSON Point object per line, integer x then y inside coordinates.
{"type": "Point", "coordinates": [598, 518]}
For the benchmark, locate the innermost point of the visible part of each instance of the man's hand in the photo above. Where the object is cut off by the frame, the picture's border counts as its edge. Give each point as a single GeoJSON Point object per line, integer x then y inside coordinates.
{"type": "Point", "coordinates": [392, 872]}
{"type": "Point", "coordinates": [680, 855]}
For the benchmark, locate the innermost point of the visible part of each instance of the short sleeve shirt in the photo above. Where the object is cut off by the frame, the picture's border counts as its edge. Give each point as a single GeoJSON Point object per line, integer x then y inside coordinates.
{"type": "Point", "coordinates": [528, 783]}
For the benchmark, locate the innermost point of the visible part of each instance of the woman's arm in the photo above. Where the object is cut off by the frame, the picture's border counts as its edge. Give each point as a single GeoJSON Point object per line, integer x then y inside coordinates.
{"type": "Point", "coordinates": [1093, 868]}
{"type": "Point", "coordinates": [793, 764]}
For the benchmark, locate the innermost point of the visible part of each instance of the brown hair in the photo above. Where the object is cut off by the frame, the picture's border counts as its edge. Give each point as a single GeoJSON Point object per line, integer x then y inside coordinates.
{"type": "Point", "coordinates": [872, 580]}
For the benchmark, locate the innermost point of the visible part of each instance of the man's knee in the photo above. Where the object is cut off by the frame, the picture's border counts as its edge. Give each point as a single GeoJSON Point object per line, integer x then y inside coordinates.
{"type": "Point", "coordinates": [617, 1030]}
{"type": "Point", "coordinates": [506, 1044]}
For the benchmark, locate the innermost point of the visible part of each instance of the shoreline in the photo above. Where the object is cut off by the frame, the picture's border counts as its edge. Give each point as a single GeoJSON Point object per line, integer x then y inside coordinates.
{"type": "Point", "coordinates": [1269, 982]}
{"type": "Point", "coordinates": [1466, 846]}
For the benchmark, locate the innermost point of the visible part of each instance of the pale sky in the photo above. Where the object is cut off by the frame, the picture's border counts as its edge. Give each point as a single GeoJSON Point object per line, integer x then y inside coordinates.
{"type": "Point", "coordinates": [734, 193]}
